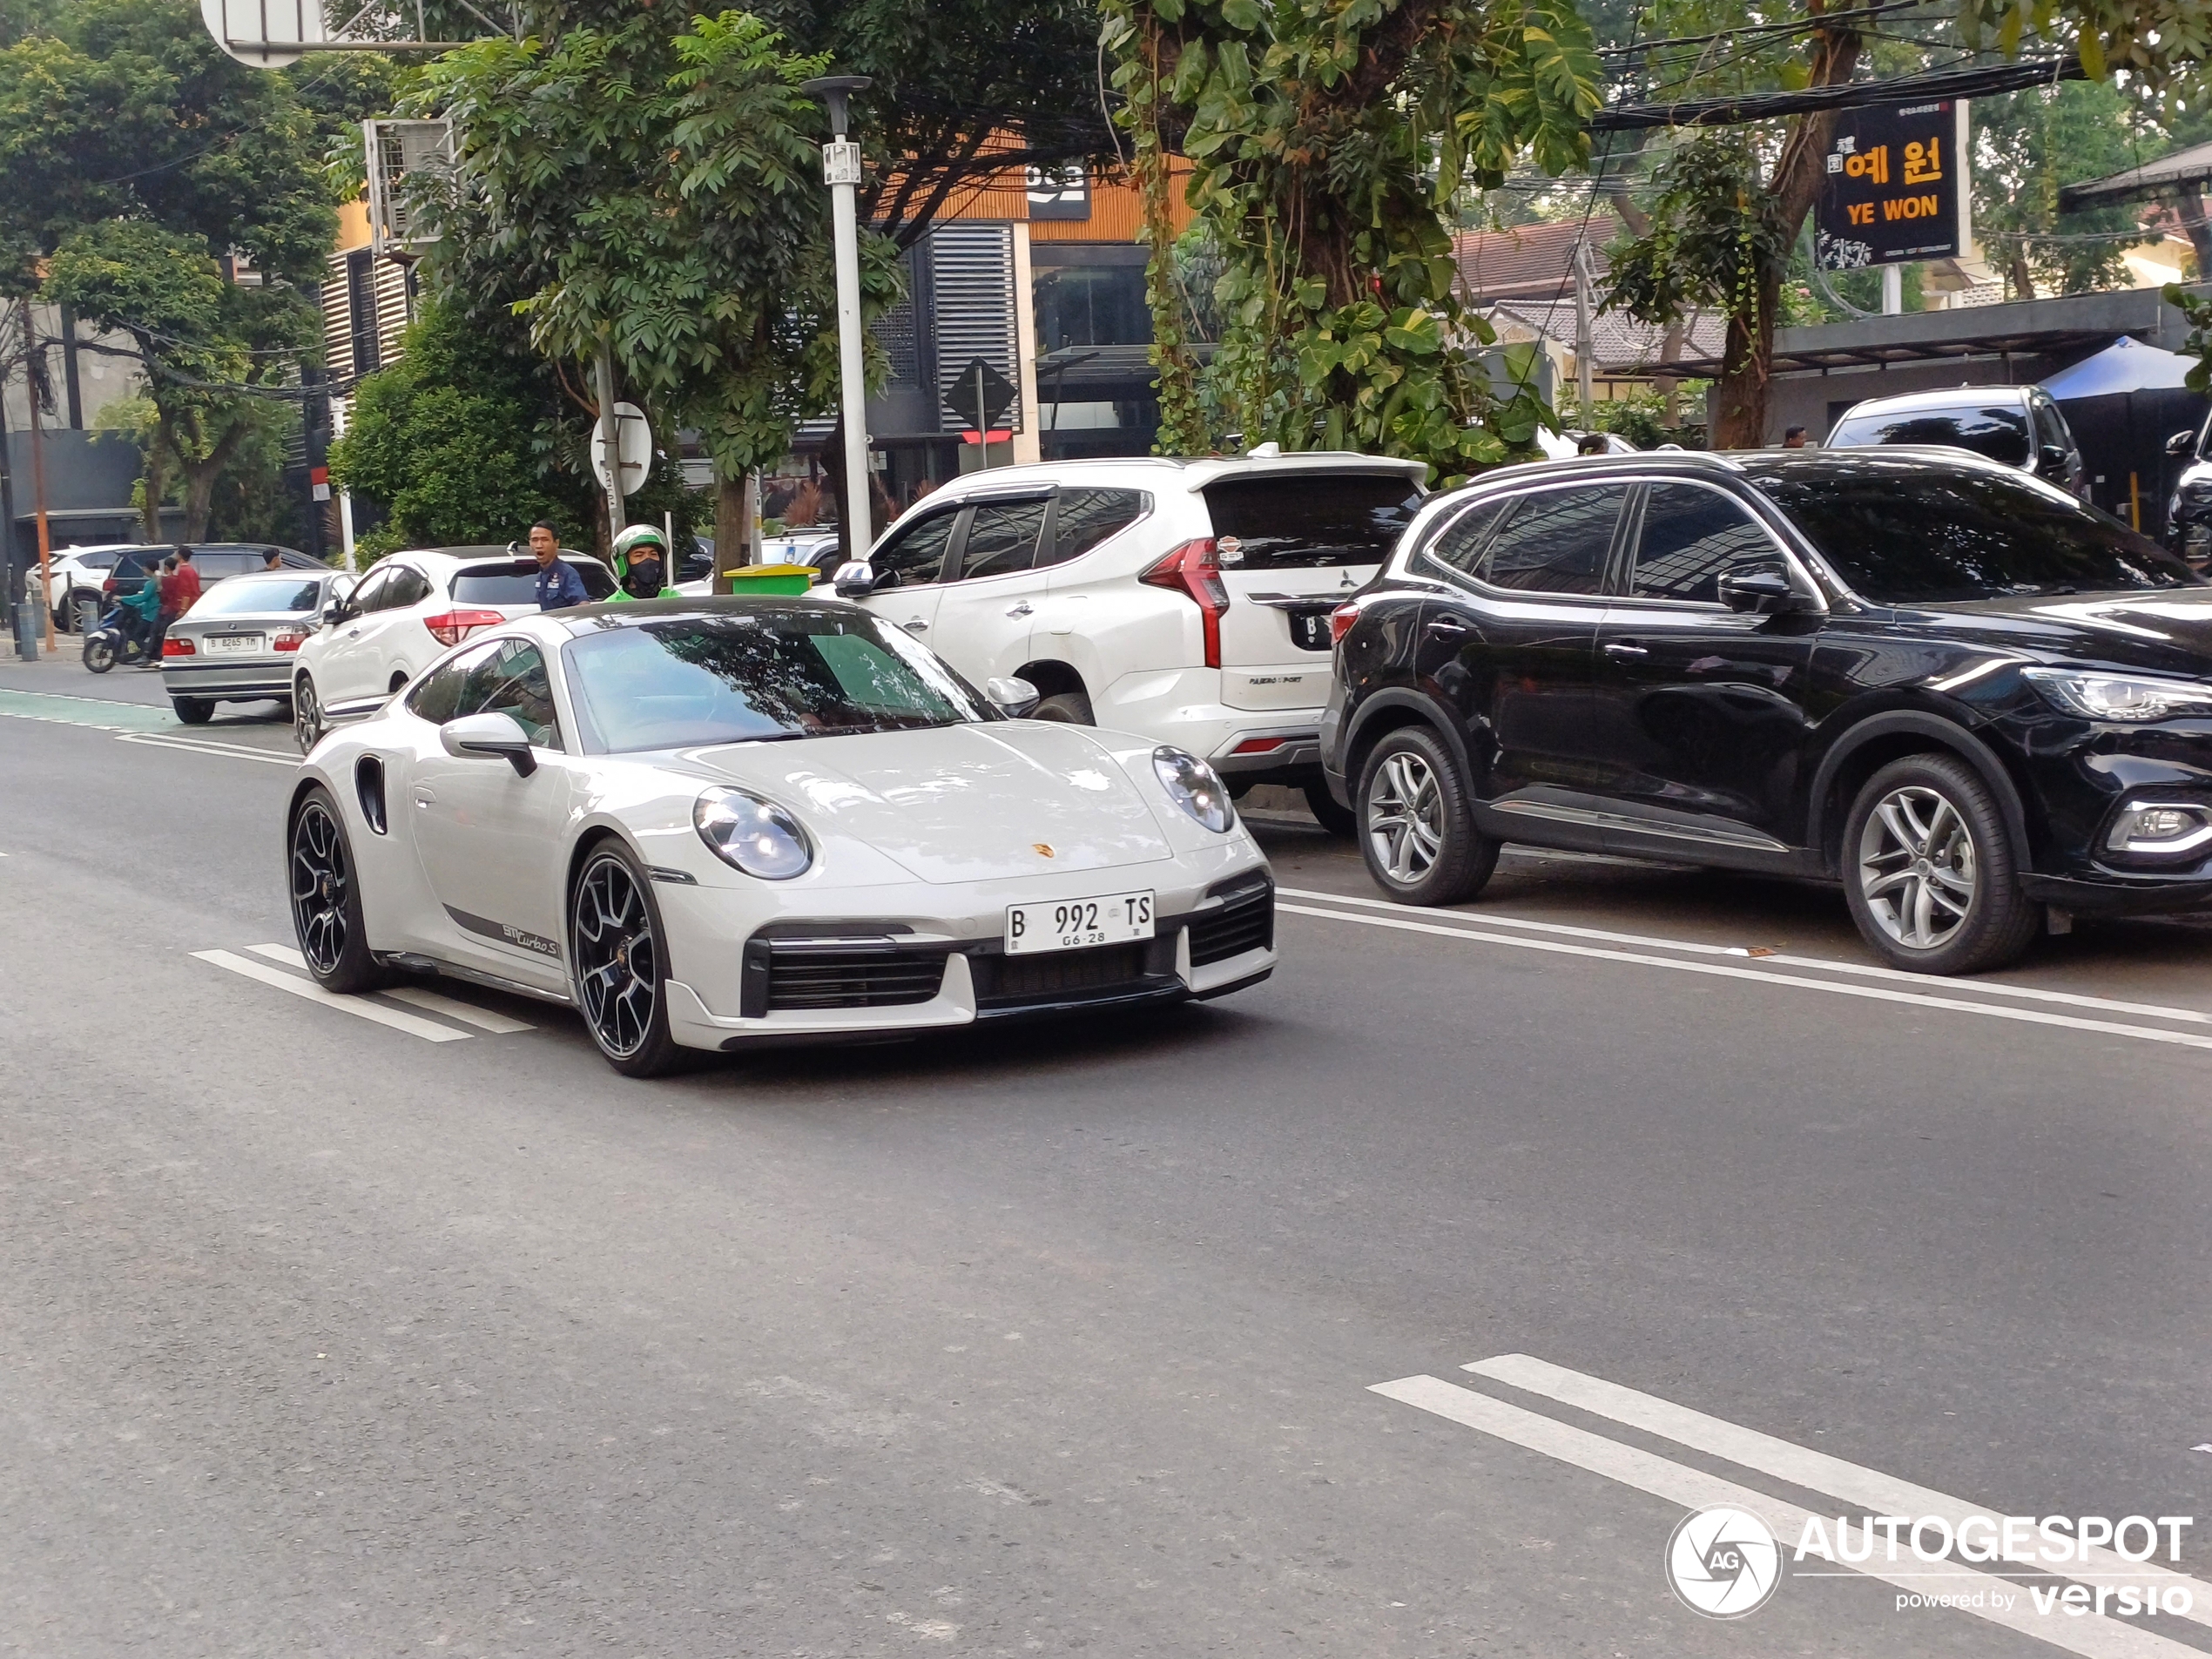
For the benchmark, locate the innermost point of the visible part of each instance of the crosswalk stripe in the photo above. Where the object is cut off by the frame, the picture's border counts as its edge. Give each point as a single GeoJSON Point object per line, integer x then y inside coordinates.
{"type": "Point", "coordinates": [482, 1019]}
{"type": "Point", "coordinates": [1800, 1465]}
{"type": "Point", "coordinates": [1794, 982]}
{"type": "Point", "coordinates": [206, 746]}
{"type": "Point", "coordinates": [2094, 1636]}
{"type": "Point", "coordinates": [467, 1014]}
{"type": "Point", "coordinates": [1819, 964]}
{"type": "Point", "coordinates": [360, 1007]}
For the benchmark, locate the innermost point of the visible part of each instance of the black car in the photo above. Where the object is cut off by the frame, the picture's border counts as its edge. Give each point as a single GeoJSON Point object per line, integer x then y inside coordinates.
{"type": "Point", "coordinates": [2188, 514]}
{"type": "Point", "coordinates": [1951, 686]}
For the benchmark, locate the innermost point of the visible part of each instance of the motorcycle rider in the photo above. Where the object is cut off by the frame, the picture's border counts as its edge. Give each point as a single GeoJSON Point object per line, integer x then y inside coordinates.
{"type": "Point", "coordinates": [141, 617]}
{"type": "Point", "coordinates": [641, 561]}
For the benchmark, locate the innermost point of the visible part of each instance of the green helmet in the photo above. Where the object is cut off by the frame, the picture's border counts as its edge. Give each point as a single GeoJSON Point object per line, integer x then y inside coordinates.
{"type": "Point", "coordinates": [639, 536]}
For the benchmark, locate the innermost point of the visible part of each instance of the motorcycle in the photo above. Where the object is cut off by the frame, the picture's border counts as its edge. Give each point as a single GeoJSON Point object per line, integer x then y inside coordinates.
{"type": "Point", "coordinates": [111, 643]}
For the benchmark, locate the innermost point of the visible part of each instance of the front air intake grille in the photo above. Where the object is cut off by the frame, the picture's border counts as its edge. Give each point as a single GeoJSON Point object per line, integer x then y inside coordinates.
{"type": "Point", "coordinates": [810, 975]}
{"type": "Point", "coordinates": [1246, 922]}
{"type": "Point", "coordinates": [1059, 974]}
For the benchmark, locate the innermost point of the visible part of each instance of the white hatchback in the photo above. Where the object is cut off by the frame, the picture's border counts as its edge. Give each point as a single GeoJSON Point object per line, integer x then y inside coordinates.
{"type": "Point", "coordinates": [408, 609]}
{"type": "Point", "coordinates": [1185, 600]}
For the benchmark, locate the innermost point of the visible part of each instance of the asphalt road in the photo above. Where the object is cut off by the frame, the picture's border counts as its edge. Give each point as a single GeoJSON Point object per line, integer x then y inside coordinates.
{"type": "Point", "coordinates": [319, 1336]}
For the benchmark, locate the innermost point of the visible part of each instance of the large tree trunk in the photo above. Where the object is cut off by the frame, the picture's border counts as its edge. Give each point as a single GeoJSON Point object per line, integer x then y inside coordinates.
{"type": "Point", "coordinates": [201, 478]}
{"type": "Point", "coordinates": [732, 530]}
{"type": "Point", "coordinates": [1740, 393]}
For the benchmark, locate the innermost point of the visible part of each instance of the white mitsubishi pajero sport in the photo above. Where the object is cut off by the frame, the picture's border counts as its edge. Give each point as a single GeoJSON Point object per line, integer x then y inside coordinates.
{"type": "Point", "coordinates": [1187, 601]}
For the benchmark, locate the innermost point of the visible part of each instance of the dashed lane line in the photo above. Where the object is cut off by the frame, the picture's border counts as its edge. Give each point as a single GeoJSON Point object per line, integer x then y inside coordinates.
{"type": "Point", "coordinates": [452, 1008]}
{"type": "Point", "coordinates": [360, 1007]}
{"type": "Point", "coordinates": [1793, 981]}
{"type": "Point", "coordinates": [207, 746]}
{"type": "Point", "coordinates": [2093, 1636]}
{"type": "Point", "coordinates": [1878, 1493]}
{"type": "Point", "coordinates": [1821, 964]}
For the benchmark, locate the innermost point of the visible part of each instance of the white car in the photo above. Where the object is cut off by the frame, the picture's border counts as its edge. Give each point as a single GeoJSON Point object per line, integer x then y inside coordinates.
{"type": "Point", "coordinates": [409, 609]}
{"type": "Point", "coordinates": [710, 824]}
{"type": "Point", "coordinates": [74, 579]}
{"type": "Point", "coordinates": [1186, 600]}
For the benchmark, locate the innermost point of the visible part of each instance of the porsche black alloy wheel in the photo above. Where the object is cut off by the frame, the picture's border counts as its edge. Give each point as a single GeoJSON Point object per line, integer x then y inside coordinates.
{"type": "Point", "coordinates": [326, 899]}
{"type": "Point", "coordinates": [621, 973]}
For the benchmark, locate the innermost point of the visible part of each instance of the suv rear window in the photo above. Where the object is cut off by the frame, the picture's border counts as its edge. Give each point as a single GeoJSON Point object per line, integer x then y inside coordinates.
{"type": "Point", "coordinates": [514, 582]}
{"type": "Point", "coordinates": [1287, 523]}
{"type": "Point", "coordinates": [2001, 432]}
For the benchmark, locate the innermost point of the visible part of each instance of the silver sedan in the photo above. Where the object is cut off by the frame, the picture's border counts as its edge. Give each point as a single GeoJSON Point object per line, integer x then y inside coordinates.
{"type": "Point", "coordinates": [239, 642]}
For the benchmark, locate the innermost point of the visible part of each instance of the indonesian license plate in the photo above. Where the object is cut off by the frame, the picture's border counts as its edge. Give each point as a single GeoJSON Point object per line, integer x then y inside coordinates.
{"type": "Point", "coordinates": [1310, 630]}
{"type": "Point", "coordinates": [233, 642]}
{"type": "Point", "coordinates": [1076, 924]}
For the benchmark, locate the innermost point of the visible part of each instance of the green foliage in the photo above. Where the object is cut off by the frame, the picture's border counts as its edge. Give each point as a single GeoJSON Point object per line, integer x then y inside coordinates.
{"type": "Point", "coordinates": [1714, 229]}
{"type": "Point", "coordinates": [2028, 144]}
{"type": "Point", "coordinates": [2198, 309]}
{"type": "Point", "coordinates": [455, 440]}
{"type": "Point", "coordinates": [2160, 44]}
{"type": "Point", "coordinates": [635, 182]}
{"type": "Point", "coordinates": [1329, 143]}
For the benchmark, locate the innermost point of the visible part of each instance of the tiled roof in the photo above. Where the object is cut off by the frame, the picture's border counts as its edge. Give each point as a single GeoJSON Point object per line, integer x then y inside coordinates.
{"type": "Point", "coordinates": [1619, 344]}
{"type": "Point", "coordinates": [1528, 261]}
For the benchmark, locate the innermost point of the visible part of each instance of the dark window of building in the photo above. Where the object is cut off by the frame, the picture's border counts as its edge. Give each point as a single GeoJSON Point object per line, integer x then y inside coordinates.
{"type": "Point", "coordinates": [361, 311]}
{"type": "Point", "coordinates": [1091, 304]}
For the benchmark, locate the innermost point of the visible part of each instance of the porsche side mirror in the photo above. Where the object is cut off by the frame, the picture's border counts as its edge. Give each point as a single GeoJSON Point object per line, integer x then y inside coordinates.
{"type": "Point", "coordinates": [855, 579]}
{"type": "Point", "coordinates": [2181, 443]}
{"type": "Point", "coordinates": [499, 735]}
{"type": "Point", "coordinates": [1013, 698]}
{"type": "Point", "coordinates": [1765, 593]}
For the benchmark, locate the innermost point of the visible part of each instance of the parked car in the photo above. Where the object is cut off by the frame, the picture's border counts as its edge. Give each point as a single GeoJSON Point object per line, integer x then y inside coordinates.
{"type": "Point", "coordinates": [238, 644]}
{"type": "Point", "coordinates": [815, 547]}
{"type": "Point", "coordinates": [1186, 600]}
{"type": "Point", "coordinates": [216, 562]}
{"type": "Point", "coordinates": [1974, 701]}
{"type": "Point", "coordinates": [2188, 514]}
{"type": "Point", "coordinates": [410, 607]}
{"type": "Point", "coordinates": [716, 824]}
{"type": "Point", "coordinates": [2018, 426]}
{"type": "Point", "coordinates": [74, 576]}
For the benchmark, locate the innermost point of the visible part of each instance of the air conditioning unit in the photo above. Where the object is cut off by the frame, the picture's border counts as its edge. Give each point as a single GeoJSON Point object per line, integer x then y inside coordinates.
{"type": "Point", "coordinates": [398, 154]}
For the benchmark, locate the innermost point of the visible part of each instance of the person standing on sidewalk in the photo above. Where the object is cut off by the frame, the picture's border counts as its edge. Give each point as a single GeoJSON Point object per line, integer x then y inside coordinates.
{"type": "Point", "coordinates": [187, 581]}
{"type": "Point", "coordinates": [558, 585]}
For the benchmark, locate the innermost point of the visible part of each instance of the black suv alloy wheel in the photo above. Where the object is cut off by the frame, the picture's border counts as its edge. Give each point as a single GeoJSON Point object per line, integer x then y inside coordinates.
{"type": "Point", "coordinates": [1416, 832]}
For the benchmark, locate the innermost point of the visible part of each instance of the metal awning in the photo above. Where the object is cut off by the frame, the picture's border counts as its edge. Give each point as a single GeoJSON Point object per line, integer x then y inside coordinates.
{"type": "Point", "coordinates": [2189, 166]}
{"type": "Point", "coordinates": [2072, 324]}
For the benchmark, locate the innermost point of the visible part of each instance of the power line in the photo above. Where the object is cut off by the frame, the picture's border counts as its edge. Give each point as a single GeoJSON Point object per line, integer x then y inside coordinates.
{"type": "Point", "coordinates": [1735, 111]}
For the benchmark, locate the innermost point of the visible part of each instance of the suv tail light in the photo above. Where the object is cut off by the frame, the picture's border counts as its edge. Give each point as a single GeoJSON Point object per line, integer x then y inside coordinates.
{"type": "Point", "coordinates": [291, 639]}
{"type": "Point", "coordinates": [1194, 570]}
{"type": "Point", "coordinates": [178, 648]}
{"type": "Point", "coordinates": [1341, 620]}
{"type": "Point", "coordinates": [108, 586]}
{"type": "Point", "coordinates": [456, 626]}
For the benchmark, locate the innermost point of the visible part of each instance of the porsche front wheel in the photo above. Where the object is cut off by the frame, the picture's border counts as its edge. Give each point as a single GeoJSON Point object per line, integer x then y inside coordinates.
{"type": "Point", "coordinates": [326, 899]}
{"type": "Point", "coordinates": [615, 943]}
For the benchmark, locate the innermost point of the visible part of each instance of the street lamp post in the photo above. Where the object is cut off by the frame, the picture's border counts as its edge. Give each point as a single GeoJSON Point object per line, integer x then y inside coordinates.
{"type": "Point", "coordinates": [841, 173]}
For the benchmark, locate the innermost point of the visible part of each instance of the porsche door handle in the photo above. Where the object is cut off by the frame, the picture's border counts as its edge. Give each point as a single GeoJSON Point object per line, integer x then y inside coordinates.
{"type": "Point", "coordinates": [1626, 648]}
{"type": "Point", "coordinates": [1021, 610]}
{"type": "Point", "coordinates": [424, 797]}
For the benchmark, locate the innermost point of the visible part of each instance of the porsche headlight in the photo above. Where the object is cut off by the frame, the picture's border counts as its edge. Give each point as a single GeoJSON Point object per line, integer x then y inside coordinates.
{"type": "Point", "coordinates": [1190, 783]}
{"type": "Point", "coordinates": [2119, 697]}
{"type": "Point", "coordinates": [756, 836]}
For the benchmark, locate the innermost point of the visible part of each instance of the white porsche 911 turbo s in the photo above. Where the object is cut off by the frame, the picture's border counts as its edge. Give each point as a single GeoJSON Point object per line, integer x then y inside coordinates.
{"type": "Point", "coordinates": [710, 824]}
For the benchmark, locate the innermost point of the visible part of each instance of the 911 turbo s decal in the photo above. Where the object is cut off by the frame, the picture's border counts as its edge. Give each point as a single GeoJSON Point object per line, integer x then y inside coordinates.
{"type": "Point", "coordinates": [506, 934]}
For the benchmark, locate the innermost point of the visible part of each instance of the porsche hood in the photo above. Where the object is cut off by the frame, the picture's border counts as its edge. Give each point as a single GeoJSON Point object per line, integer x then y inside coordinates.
{"type": "Point", "coordinates": [959, 803]}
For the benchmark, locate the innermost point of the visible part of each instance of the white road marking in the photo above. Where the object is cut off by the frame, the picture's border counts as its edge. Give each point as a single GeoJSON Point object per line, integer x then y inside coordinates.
{"type": "Point", "coordinates": [1878, 1494]}
{"type": "Point", "coordinates": [482, 1019]}
{"type": "Point", "coordinates": [1794, 982]}
{"type": "Point", "coordinates": [414, 1025]}
{"type": "Point", "coordinates": [206, 747]}
{"type": "Point", "coordinates": [2095, 1636]}
{"type": "Point", "coordinates": [2026, 993]}
{"type": "Point", "coordinates": [467, 1014]}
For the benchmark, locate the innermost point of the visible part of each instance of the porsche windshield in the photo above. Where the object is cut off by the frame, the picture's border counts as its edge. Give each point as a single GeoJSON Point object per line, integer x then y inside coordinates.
{"type": "Point", "coordinates": [757, 676]}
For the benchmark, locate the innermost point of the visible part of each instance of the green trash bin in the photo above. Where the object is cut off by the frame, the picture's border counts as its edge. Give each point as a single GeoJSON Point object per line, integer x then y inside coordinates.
{"type": "Point", "coordinates": [755, 580]}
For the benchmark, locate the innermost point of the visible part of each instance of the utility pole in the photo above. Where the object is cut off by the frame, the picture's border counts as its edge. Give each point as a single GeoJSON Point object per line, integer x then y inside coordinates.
{"type": "Point", "coordinates": [1584, 347]}
{"type": "Point", "coordinates": [34, 372]}
{"type": "Point", "coordinates": [841, 173]}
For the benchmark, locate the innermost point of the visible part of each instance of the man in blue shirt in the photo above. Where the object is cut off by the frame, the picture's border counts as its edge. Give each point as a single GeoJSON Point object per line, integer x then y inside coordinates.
{"type": "Point", "coordinates": [558, 585]}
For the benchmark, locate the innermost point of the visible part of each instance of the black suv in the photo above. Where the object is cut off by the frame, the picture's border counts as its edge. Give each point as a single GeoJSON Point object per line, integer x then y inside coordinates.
{"type": "Point", "coordinates": [1948, 685]}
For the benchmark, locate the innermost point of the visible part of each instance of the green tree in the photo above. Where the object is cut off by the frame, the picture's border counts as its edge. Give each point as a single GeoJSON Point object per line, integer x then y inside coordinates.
{"type": "Point", "coordinates": [647, 188]}
{"type": "Point", "coordinates": [1329, 143]}
{"type": "Point", "coordinates": [2026, 147]}
{"type": "Point", "coordinates": [138, 164]}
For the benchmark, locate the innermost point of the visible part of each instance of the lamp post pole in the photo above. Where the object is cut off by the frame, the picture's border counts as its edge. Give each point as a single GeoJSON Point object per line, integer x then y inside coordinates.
{"type": "Point", "coordinates": [841, 173]}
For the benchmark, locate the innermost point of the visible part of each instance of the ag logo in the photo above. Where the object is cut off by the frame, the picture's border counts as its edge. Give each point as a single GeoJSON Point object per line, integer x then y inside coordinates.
{"type": "Point", "coordinates": [1724, 1562]}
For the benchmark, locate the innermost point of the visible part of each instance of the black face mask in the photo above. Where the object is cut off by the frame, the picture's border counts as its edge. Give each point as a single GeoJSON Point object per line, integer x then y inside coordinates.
{"type": "Point", "coordinates": [643, 581]}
